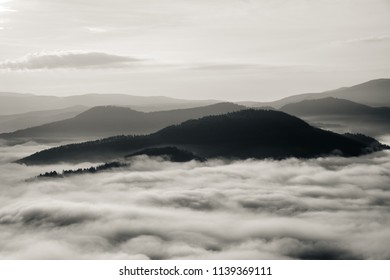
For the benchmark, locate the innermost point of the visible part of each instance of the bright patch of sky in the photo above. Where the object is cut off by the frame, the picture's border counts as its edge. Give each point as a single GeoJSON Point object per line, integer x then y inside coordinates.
{"type": "Point", "coordinates": [222, 49]}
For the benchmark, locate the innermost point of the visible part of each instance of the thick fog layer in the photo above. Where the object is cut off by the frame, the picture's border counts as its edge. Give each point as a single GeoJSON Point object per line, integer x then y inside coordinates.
{"type": "Point", "coordinates": [337, 208]}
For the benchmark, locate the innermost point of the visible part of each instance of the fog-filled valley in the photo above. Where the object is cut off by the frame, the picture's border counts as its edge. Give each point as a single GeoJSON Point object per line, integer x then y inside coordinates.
{"type": "Point", "coordinates": [324, 208]}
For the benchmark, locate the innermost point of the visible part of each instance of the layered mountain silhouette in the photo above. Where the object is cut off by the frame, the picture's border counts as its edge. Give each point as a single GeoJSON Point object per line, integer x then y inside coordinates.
{"type": "Point", "coordinates": [333, 106]}
{"type": "Point", "coordinates": [105, 121]}
{"type": "Point", "coordinates": [342, 115]}
{"type": "Point", "coordinates": [21, 111]}
{"type": "Point", "coordinates": [373, 93]}
{"type": "Point", "coordinates": [239, 135]}
{"type": "Point", "coordinates": [18, 103]}
{"type": "Point", "coordinates": [10, 123]}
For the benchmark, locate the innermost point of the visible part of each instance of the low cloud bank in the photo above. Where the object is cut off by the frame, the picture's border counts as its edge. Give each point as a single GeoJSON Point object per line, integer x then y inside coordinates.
{"type": "Point", "coordinates": [327, 208]}
{"type": "Point", "coordinates": [68, 59]}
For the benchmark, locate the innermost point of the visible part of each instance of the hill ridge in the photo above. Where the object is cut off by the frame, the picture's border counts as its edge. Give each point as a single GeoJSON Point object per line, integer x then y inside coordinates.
{"type": "Point", "coordinates": [243, 134]}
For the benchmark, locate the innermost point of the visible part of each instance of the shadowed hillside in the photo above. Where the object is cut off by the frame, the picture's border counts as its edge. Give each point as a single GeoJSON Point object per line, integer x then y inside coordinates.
{"type": "Point", "coordinates": [242, 134]}
{"type": "Point", "coordinates": [9, 123]}
{"type": "Point", "coordinates": [333, 106]}
{"type": "Point", "coordinates": [342, 115]}
{"type": "Point", "coordinates": [108, 121]}
{"type": "Point", "coordinates": [373, 93]}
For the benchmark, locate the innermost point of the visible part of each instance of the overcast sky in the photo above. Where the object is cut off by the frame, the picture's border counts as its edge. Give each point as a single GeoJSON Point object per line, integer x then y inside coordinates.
{"type": "Point", "coordinates": [222, 49]}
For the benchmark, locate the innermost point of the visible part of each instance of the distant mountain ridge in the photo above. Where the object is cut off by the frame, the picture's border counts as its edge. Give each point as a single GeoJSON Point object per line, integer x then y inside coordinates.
{"type": "Point", "coordinates": [373, 93]}
{"type": "Point", "coordinates": [10, 123]}
{"type": "Point", "coordinates": [242, 134]}
{"type": "Point", "coordinates": [105, 121]}
{"type": "Point", "coordinates": [342, 115]}
{"type": "Point", "coordinates": [43, 123]}
{"type": "Point", "coordinates": [17, 103]}
{"type": "Point", "coordinates": [332, 106]}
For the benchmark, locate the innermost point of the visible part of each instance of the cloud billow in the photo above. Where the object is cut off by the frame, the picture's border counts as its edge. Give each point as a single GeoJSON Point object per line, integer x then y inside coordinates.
{"type": "Point", "coordinates": [68, 59]}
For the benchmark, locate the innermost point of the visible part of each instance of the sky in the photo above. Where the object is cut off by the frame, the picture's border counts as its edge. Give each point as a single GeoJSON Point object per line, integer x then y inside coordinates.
{"type": "Point", "coordinates": [205, 49]}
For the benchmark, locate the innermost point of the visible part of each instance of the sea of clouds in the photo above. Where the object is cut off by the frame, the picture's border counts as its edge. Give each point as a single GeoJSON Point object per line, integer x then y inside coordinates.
{"type": "Point", "coordinates": [326, 208]}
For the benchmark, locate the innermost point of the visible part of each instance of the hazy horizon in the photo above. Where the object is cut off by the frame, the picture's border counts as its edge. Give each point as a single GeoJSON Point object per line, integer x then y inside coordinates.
{"type": "Point", "coordinates": [184, 98]}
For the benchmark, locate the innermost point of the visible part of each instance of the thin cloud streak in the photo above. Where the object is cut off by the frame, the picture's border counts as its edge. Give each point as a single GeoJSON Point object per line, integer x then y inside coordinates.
{"type": "Point", "coordinates": [370, 39]}
{"type": "Point", "coordinates": [68, 59]}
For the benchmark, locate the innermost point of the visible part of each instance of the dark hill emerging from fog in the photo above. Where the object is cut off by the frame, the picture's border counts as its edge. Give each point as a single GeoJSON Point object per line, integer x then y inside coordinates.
{"type": "Point", "coordinates": [105, 121]}
{"type": "Point", "coordinates": [243, 134]}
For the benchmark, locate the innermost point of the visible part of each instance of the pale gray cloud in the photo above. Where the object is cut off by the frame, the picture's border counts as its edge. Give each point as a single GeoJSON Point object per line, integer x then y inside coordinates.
{"type": "Point", "coordinates": [369, 39]}
{"type": "Point", "coordinates": [68, 59]}
{"type": "Point", "coordinates": [321, 208]}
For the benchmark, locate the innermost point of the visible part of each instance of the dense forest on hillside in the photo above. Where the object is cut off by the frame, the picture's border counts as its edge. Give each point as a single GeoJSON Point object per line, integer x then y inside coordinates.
{"type": "Point", "coordinates": [244, 134]}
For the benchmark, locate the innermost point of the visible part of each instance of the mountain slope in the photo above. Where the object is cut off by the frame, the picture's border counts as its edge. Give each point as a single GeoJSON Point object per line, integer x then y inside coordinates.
{"type": "Point", "coordinates": [109, 121]}
{"type": "Point", "coordinates": [342, 115]}
{"type": "Point", "coordinates": [9, 123]}
{"type": "Point", "coordinates": [373, 93]}
{"type": "Point", "coordinates": [332, 106]}
{"type": "Point", "coordinates": [242, 134]}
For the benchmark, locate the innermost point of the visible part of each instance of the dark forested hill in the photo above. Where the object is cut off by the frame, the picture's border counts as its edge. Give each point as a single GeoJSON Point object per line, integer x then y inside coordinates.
{"type": "Point", "coordinates": [242, 134]}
